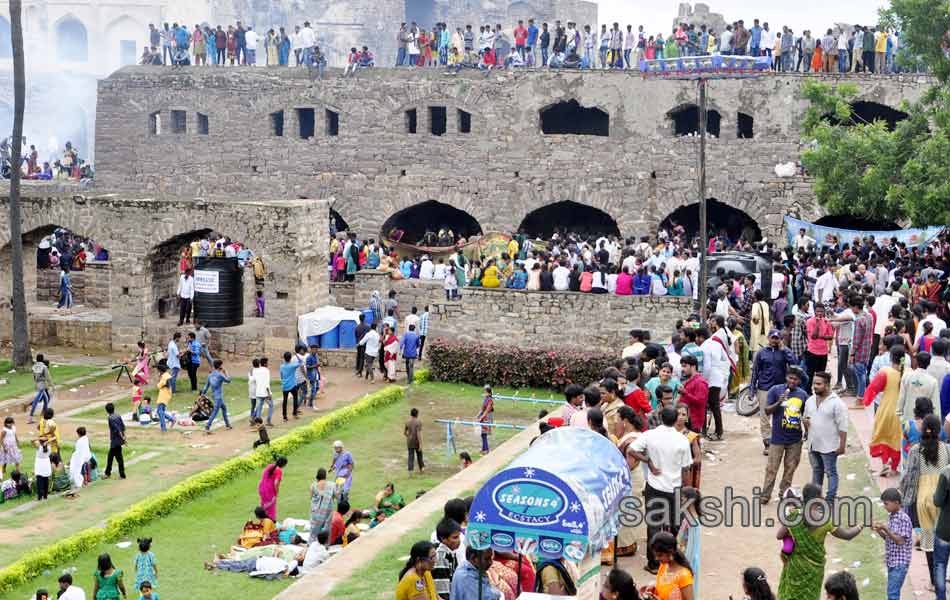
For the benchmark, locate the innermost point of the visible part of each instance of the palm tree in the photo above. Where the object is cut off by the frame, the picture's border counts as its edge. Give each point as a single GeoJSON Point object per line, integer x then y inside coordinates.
{"type": "Point", "coordinates": [21, 334]}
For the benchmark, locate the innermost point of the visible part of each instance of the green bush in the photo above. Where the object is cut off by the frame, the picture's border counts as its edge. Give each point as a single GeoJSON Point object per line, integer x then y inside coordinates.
{"type": "Point", "coordinates": [421, 375]}
{"type": "Point", "coordinates": [34, 562]}
{"type": "Point", "coordinates": [509, 366]}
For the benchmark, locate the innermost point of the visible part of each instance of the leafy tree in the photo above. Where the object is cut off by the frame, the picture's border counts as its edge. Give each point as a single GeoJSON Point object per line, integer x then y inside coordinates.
{"type": "Point", "coordinates": [867, 170]}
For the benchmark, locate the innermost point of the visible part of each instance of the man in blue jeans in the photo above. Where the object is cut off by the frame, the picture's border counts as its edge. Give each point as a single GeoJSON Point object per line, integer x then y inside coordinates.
{"type": "Point", "coordinates": [755, 38]}
{"type": "Point", "coordinates": [312, 363]}
{"type": "Point", "coordinates": [216, 382]}
{"type": "Point", "coordinates": [898, 535]}
{"type": "Point", "coordinates": [826, 425]}
{"type": "Point", "coordinates": [862, 344]}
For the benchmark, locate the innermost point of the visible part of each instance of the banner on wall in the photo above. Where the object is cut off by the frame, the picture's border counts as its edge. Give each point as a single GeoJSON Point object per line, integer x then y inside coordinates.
{"type": "Point", "coordinates": [825, 236]}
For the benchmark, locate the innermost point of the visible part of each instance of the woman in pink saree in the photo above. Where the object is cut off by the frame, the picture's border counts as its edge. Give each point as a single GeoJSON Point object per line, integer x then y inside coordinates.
{"type": "Point", "coordinates": [269, 486]}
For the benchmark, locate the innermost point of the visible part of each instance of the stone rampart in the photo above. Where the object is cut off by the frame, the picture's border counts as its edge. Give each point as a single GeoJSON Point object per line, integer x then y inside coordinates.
{"type": "Point", "coordinates": [528, 319]}
{"type": "Point", "coordinates": [478, 143]}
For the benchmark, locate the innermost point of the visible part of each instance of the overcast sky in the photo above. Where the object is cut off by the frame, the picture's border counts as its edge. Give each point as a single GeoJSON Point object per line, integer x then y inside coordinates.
{"type": "Point", "coordinates": [658, 15]}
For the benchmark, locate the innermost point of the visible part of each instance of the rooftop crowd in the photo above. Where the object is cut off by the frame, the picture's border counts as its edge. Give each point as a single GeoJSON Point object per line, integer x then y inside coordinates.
{"type": "Point", "coordinates": [857, 49]}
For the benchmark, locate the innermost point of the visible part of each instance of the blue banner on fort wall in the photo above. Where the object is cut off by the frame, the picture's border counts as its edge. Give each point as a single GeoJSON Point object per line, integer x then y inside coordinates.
{"type": "Point", "coordinates": [825, 236]}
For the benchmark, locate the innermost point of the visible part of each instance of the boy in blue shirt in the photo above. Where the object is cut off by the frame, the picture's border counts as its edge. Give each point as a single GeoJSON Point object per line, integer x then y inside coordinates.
{"type": "Point", "coordinates": [216, 381]}
{"type": "Point", "coordinates": [313, 373]}
{"type": "Point", "coordinates": [288, 383]}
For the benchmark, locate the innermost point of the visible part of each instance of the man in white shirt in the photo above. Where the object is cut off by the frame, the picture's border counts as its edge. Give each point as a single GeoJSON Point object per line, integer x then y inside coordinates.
{"type": "Point", "coordinates": [250, 37]}
{"type": "Point", "coordinates": [716, 366]}
{"type": "Point", "coordinates": [666, 453]}
{"type": "Point", "coordinates": [636, 346]}
{"type": "Point", "coordinates": [426, 268]}
{"type": "Point", "coordinates": [826, 286]}
{"type": "Point", "coordinates": [930, 315]}
{"type": "Point", "coordinates": [186, 295]}
{"type": "Point", "coordinates": [438, 273]}
{"type": "Point", "coordinates": [882, 308]}
{"type": "Point", "coordinates": [262, 391]}
{"type": "Point", "coordinates": [371, 341]}
{"type": "Point", "coordinates": [487, 38]}
{"type": "Point", "coordinates": [412, 319]}
{"type": "Point", "coordinates": [826, 425]}
{"type": "Point", "coordinates": [562, 277]}
{"type": "Point", "coordinates": [307, 41]}
{"type": "Point", "coordinates": [68, 591]}
{"type": "Point", "coordinates": [802, 241]}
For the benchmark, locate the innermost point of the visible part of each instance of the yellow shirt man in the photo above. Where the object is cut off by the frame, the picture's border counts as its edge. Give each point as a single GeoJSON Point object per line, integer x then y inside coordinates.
{"type": "Point", "coordinates": [164, 391]}
{"type": "Point", "coordinates": [880, 42]}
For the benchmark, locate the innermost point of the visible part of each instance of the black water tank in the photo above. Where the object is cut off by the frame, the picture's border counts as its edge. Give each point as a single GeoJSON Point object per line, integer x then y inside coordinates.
{"type": "Point", "coordinates": [219, 292]}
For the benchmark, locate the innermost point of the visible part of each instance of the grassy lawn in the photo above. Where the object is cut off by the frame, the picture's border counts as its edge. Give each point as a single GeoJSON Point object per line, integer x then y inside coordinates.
{"type": "Point", "coordinates": [210, 524]}
{"type": "Point", "coordinates": [21, 383]}
{"type": "Point", "coordinates": [866, 549]}
{"type": "Point", "coordinates": [45, 522]}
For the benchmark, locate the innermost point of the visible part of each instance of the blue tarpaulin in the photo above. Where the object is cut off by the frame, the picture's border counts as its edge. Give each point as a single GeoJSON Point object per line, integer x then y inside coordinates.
{"type": "Point", "coordinates": [825, 235]}
{"type": "Point", "coordinates": [558, 499]}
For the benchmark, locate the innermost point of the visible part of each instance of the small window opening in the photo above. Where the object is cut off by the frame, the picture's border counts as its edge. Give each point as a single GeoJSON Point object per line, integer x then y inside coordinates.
{"type": "Point", "coordinates": [333, 122]}
{"type": "Point", "coordinates": [277, 123]}
{"type": "Point", "coordinates": [745, 129]}
{"type": "Point", "coordinates": [465, 122]}
{"type": "Point", "coordinates": [411, 120]}
{"type": "Point", "coordinates": [437, 120]}
{"type": "Point", "coordinates": [573, 119]}
{"type": "Point", "coordinates": [179, 121]}
{"type": "Point", "coordinates": [155, 123]}
{"type": "Point", "coordinates": [282, 295]}
{"type": "Point", "coordinates": [305, 118]}
{"type": "Point", "coordinates": [202, 124]}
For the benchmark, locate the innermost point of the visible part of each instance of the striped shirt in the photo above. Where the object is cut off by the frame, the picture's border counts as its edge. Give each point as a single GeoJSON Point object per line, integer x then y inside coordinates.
{"type": "Point", "coordinates": [424, 324]}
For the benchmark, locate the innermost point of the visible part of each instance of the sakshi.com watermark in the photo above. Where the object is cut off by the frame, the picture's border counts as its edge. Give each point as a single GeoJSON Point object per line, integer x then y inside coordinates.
{"type": "Point", "coordinates": [738, 510]}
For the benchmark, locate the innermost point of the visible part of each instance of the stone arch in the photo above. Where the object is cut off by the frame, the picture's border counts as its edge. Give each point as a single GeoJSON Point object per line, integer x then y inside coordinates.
{"type": "Point", "coordinates": [570, 117]}
{"type": "Point", "coordinates": [337, 221]}
{"type": "Point", "coordinates": [865, 112]}
{"type": "Point", "coordinates": [720, 217]}
{"type": "Point", "coordinates": [611, 202]}
{"type": "Point", "coordinates": [684, 120]}
{"type": "Point", "coordinates": [431, 215]}
{"type": "Point", "coordinates": [123, 33]}
{"type": "Point", "coordinates": [570, 216]}
{"type": "Point", "coordinates": [521, 10]}
{"type": "Point", "coordinates": [6, 47]}
{"type": "Point", "coordinates": [49, 213]}
{"type": "Point", "coordinates": [72, 39]}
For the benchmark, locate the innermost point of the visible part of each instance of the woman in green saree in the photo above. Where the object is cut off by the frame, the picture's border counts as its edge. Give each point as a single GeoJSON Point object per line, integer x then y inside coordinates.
{"type": "Point", "coordinates": [804, 568]}
{"type": "Point", "coordinates": [388, 501]}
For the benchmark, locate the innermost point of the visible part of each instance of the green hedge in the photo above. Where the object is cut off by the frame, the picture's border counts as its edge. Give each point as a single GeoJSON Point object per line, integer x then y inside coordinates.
{"type": "Point", "coordinates": [515, 367]}
{"type": "Point", "coordinates": [34, 562]}
{"type": "Point", "coordinates": [421, 375]}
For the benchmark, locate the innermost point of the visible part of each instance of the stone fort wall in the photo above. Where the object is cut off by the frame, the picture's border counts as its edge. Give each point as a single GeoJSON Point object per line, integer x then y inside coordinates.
{"type": "Point", "coordinates": [522, 318]}
{"type": "Point", "coordinates": [237, 134]}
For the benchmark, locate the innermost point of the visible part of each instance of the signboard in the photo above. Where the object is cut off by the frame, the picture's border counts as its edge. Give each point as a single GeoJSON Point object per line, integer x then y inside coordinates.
{"type": "Point", "coordinates": [825, 235]}
{"type": "Point", "coordinates": [206, 282]}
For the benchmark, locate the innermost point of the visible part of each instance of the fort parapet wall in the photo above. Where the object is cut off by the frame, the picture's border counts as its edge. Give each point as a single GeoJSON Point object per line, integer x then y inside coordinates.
{"type": "Point", "coordinates": [478, 143]}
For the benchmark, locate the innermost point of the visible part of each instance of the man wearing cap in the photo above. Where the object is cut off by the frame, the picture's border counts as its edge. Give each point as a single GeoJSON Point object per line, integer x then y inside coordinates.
{"type": "Point", "coordinates": [342, 465]}
{"type": "Point", "coordinates": [769, 369]}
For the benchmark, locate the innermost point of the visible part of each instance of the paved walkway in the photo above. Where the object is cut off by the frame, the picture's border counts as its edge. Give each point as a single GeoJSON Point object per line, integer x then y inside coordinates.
{"type": "Point", "coordinates": [350, 560]}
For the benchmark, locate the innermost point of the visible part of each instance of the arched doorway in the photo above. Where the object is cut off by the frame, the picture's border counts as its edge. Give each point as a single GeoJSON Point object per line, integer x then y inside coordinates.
{"type": "Point", "coordinates": [6, 45]}
{"type": "Point", "coordinates": [429, 217]}
{"type": "Point", "coordinates": [686, 120]}
{"type": "Point", "coordinates": [124, 36]}
{"type": "Point", "coordinates": [720, 219]}
{"type": "Point", "coordinates": [864, 113]}
{"type": "Point", "coordinates": [420, 11]}
{"type": "Point", "coordinates": [858, 223]}
{"type": "Point", "coordinates": [72, 44]}
{"type": "Point", "coordinates": [163, 261]}
{"type": "Point", "coordinates": [572, 118]}
{"type": "Point", "coordinates": [568, 217]}
{"type": "Point", "coordinates": [337, 222]}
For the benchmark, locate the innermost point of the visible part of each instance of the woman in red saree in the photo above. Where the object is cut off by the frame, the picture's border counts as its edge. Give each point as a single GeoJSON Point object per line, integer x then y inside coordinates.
{"type": "Point", "coordinates": [503, 574]}
{"type": "Point", "coordinates": [269, 486]}
{"type": "Point", "coordinates": [390, 354]}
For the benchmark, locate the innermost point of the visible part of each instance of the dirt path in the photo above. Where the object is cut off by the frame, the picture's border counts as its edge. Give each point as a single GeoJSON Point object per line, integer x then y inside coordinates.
{"type": "Point", "coordinates": [162, 460]}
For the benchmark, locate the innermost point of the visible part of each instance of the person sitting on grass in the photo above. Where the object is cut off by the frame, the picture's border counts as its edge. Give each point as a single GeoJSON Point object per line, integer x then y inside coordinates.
{"type": "Point", "coordinates": [260, 531]}
{"type": "Point", "coordinates": [60, 479]}
{"type": "Point", "coordinates": [466, 460]}
{"type": "Point", "coordinates": [388, 501]}
{"type": "Point", "coordinates": [264, 438]}
{"type": "Point", "coordinates": [352, 529]}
